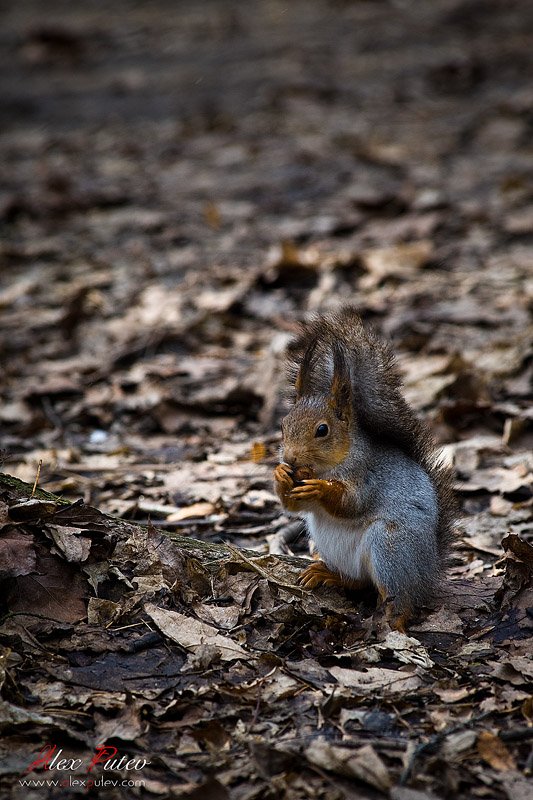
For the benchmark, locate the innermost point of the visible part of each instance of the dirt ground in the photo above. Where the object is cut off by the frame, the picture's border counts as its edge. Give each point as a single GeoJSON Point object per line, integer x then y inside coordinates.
{"type": "Point", "coordinates": [181, 184]}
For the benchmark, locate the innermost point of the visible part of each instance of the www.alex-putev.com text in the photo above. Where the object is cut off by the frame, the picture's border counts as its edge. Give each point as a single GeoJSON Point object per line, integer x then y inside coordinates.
{"type": "Point", "coordinates": [87, 783]}
{"type": "Point", "coordinates": [54, 762]}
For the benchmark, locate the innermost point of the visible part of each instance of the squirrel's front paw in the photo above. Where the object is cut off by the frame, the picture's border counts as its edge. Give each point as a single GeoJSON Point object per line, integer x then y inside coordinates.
{"type": "Point", "coordinates": [312, 489]}
{"type": "Point", "coordinates": [283, 478]}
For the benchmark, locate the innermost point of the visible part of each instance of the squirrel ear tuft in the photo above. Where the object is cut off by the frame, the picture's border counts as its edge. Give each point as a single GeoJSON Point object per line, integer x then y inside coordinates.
{"type": "Point", "coordinates": [340, 393]}
{"type": "Point", "coordinates": [303, 383]}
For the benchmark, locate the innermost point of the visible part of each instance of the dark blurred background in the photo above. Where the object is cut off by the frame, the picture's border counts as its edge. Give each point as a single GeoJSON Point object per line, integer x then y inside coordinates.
{"type": "Point", "coordinates": [183, 181]}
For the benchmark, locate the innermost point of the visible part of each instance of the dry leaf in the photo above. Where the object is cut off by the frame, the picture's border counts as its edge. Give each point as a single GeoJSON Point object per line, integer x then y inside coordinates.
{"type": "Point", "coordinates": [191, 634]}
{"type": "Point", "coordinates": [189, 512]}
{"type": "Point", "coordinates": [127, 725]}
{"type": "Point", "coordinates": [56, 589]}
{"type": "Point", "coordinates": [68, 540]}
{"type": "Point", "coordinates": [17, 554]}
{"type": "Point", "coordinates": [453, 695]}
{"type": "Point", "coordinates": [375, 680]}
{"type": "Point", "coordinates": [402, 260]}
{"type": "Point", "coordinates": [492, 750]}
{"type": "Point", "coordinates": [407, 649]}
{"type": "Point", "coordinates": [362, 763]}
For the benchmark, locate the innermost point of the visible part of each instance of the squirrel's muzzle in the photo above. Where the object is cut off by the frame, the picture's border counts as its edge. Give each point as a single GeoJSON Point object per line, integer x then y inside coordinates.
{"type": "Point", "coordinates": [290, 457]}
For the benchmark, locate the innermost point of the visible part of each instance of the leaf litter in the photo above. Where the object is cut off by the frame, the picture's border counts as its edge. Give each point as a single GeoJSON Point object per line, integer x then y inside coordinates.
{"type": "Point", "coordinates": [157, 263]}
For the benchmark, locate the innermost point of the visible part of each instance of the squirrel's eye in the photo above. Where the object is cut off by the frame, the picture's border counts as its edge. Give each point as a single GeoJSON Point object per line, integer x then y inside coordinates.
{"type": "Point", "coordinates": [322, 430]}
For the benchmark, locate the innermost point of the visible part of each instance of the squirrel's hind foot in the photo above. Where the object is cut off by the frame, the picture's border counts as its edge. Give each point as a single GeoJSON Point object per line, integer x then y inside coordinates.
{"type": "Point", "coordinates": [397, 620]}
{"type": "Point", "coordinates": [319, 574]}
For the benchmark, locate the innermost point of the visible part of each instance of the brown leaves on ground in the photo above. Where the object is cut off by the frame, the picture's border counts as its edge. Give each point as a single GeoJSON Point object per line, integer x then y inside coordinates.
{"type": "Point", "coordinates": [178, 193]}
{"type": "Point", "coordinates": [493, 751]}
{"type": "Point", "coordinates": [209, 656]}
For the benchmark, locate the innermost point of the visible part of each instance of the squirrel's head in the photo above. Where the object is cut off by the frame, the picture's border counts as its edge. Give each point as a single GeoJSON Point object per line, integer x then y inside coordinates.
{"type": "Point", "coordinates": [316, 432]}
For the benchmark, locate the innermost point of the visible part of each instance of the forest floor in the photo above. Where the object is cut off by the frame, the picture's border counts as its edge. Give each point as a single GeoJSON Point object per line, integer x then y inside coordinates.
{"type": "Point", "coordinates": [181, 184]}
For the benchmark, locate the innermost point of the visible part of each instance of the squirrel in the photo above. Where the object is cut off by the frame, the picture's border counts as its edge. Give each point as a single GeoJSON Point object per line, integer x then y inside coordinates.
{"type": "Point", "coordinates": [362, 470]}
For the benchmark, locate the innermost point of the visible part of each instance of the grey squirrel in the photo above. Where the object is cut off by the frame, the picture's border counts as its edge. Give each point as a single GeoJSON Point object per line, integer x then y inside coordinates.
{"type": "Point", "coordinates": [361, 469]}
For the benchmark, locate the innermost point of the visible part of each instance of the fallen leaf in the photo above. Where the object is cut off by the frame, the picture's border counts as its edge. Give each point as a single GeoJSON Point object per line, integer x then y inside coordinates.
{"type": "Point", "coordinates": [407, 649]}
{"type": "Point", "coordinates": [189, 512]}
{"type": "Point", "coordinates": [492, 750]}
{"type": "Point", "coordinates": [402, 260]}
{"type": "Point", "coordinates": [17, 554]}
{"type": "Point", "coordinates": [517, 670]}
{"type": "Point", "coordinates": [191, 634]}
{"type": "Point", "coordinates": [375, 680]}
{"type": "Point", "coordinates": [73, 546]}
{"type": "Point", "coordinates": [453, 695]}
{"type": "Point", "coordinates": [279, 687]}
{"type": "Point", "coordinates": [127, 725]}
{"type": "Point", "coordinates": [362, 763]}
{"type": "Point", "coordinates": [56, 591]}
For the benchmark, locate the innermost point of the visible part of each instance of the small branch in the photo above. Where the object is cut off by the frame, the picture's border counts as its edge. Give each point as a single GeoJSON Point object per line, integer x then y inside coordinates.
{"type": "Point", "coordinates": [36, 478]}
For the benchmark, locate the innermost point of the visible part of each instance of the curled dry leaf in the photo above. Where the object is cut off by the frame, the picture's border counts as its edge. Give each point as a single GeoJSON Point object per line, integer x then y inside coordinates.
{"type": "Point", "coordinates": [522, 550]}
{"type": "Point", "coordinates": [73, 546]}
{"type": "Point", "coordinates": [492, 750]}
{"type": "Point", "coordinates": [517, 670]}
{"type": "Point", "coordinates": [517, 585]}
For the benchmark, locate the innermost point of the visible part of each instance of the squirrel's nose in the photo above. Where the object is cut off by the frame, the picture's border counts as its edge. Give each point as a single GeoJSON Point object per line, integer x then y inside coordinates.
{"type": "Point", "coordinates": [289, 456]}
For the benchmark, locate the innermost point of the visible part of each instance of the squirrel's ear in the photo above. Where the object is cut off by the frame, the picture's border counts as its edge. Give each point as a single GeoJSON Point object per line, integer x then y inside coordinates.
{"type": "Point", "coordinates": [303, 378]}
{"type": "Point", "coordinates": [340, 394]}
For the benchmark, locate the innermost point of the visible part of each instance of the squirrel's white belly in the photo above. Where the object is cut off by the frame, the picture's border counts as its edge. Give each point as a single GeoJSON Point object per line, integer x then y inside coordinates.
{"type": "Point", "coordinates": [340, 544]}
